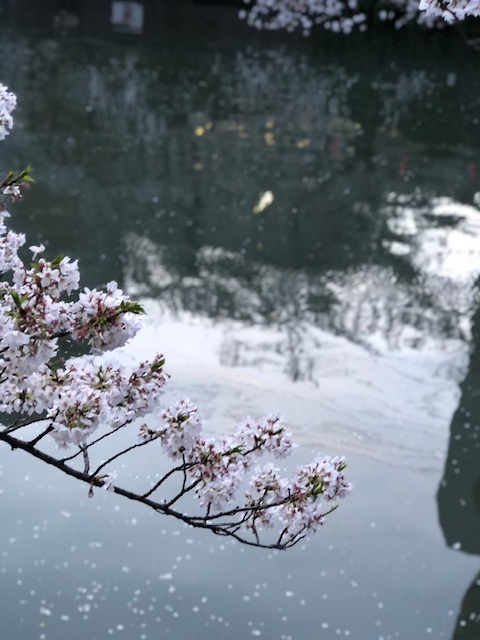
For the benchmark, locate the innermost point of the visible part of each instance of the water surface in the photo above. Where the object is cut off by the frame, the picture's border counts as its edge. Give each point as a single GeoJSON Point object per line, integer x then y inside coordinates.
{"type": "Point", "coordinates": [301, 222]}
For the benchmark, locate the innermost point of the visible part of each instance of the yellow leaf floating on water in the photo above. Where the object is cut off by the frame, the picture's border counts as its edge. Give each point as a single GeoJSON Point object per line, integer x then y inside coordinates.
{"type": "Point", "coordinates": [265, 200]}
{"type": "Point", "coordinates": [301, 144]}
{"type": "Point", "coordinates": [269, 139]}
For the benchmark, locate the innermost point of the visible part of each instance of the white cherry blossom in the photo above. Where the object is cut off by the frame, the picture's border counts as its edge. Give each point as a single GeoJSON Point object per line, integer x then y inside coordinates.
{"type": "Point", "coordinates": [344, 16]}
{"type": "Point", "coordinates": [8, 102]}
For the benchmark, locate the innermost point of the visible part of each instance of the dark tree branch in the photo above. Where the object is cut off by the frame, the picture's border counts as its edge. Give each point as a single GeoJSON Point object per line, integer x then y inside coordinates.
{"type": "Point", "coordinates": [228, 527]}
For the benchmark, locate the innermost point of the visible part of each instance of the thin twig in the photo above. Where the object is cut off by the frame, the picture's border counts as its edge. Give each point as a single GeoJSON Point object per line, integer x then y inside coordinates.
{"type": "Point", "coordinates": [90, 444]}
{"type": "Point", "coordinates": [86, 461]}
{"type": "Point", "coordinates": [40, 436]}
{"type": "Point", "coordinates": [15, 426]}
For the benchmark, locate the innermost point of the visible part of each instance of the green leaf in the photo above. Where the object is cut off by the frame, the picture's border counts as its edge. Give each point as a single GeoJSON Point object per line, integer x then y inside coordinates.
{"type": "Point", "coordinates": [56, 261]}
{"type": "Point", "coordinates": [157, 364]}
{"type": "Point", "coordinates": [129, 306]}
{"type": "Point", "coordinates": [16, 298]}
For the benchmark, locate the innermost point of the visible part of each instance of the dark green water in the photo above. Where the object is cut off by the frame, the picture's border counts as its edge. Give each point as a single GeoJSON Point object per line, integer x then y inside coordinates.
{"type": "Point", "coordinates": [346, 297]}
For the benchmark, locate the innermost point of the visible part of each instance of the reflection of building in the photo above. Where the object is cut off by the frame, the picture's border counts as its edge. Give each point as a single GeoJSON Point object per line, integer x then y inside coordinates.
{"type": "Point", "coordinates": [128, 16]}
{"type": "Point", "coordinates": [468, 621]}
{"type": "Point", "coordinates": [459, 491]}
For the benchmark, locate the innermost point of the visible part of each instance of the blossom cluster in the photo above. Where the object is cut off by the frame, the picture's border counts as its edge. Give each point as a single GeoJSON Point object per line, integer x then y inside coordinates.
{"type": "Point", "coordinates": [8, 102]}
{"type": "Point", "coordinates": [43, 312]}
{"type": "Point", "coordinates": [341, 16]}
{"type": "Point", "coordinates": [218, 469]}
{"type": "Point", "coordinates": [297, 505]}
{"type": "Point", "coordinates": [345, 16]}
{"type": "Point", "coordinates": [90, 392]}
{"type": "Point", "coordinates": [36, 315]}
{"type": "Point", "coordinates": [451, 10]}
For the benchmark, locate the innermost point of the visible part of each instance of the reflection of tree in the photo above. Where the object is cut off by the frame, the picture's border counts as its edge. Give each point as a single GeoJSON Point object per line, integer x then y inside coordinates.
{"type": "Point", "coordinates": [368, 305]}
{"type": "Point", "coordinates": [183, 149]}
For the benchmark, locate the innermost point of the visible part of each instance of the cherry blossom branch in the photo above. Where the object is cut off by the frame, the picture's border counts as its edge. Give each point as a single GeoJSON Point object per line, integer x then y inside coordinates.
{"type": "Point", "coordinates": [117, 455]}
{"type": "Point", "coordinates": [164, 478]}
{"type": "Point", "coordinates": [78, 396]}
{"type": "Point", "coordinates": [203, 522]}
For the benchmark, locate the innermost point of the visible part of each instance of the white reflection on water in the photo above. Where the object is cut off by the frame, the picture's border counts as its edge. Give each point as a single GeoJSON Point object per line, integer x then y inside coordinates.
{"type": "Point", "coordinates": [450, 250]}
{"type": "Point", "coordinates": [385, 383]}
{"type": "Point", "coordinates": [395, 406]}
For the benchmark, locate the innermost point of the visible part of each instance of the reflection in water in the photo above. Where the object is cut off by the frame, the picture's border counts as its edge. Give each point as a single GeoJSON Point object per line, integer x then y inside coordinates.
{"type": "Point", "coordinates": [468, 623]}
{"type": "Point", "coordinates": [354, 335]}
{"type": "Point", "coordinates": [459, 491]}
{"type": "Point", "coordinates": [306, 223]}
{"type": "Point", "coordinates": [312, 136]}
{"type": "Point", "coordinates": [128, 16]}
{"type": "Point", "coordinates": [383, 308]}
